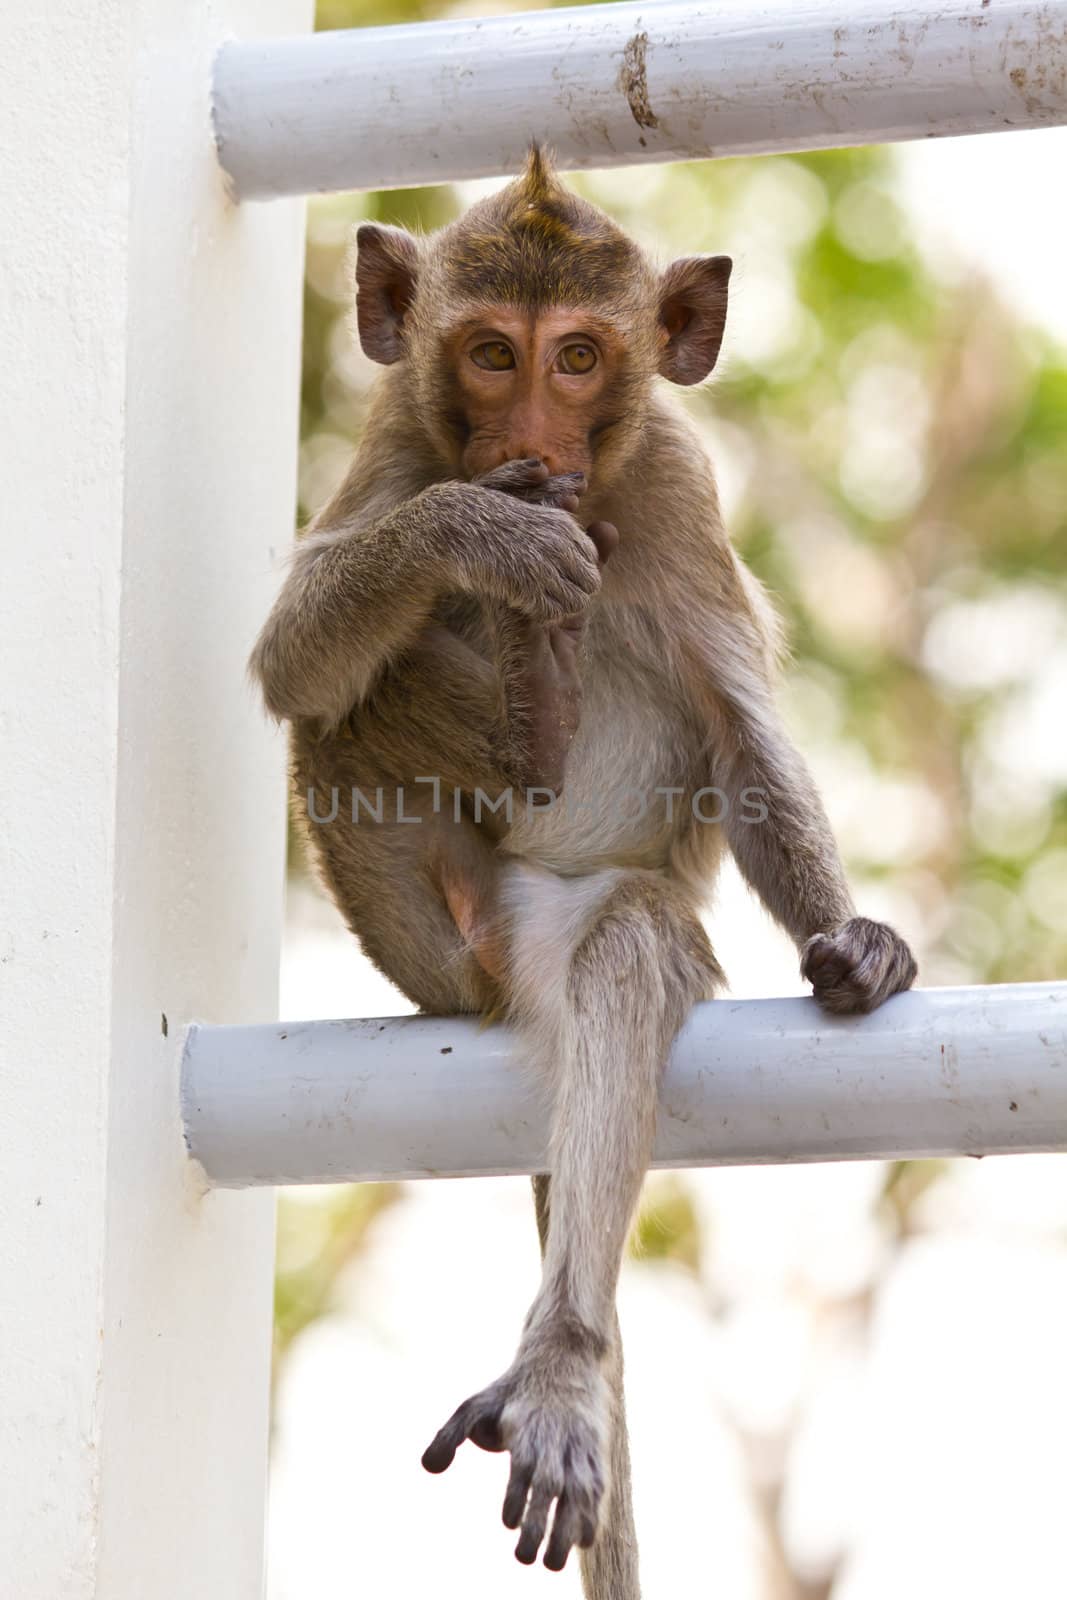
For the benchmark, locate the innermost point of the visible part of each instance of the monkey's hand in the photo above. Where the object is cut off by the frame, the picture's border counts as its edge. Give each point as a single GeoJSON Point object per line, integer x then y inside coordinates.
{"type": "Point", "coordinates": [531, 480]}
{"type": "Point", "coordinates": [500, 543]}
{"type": "Point", "coordinates": [551, 1414]}
{"type": "Point", "coordinates": [857, 965]}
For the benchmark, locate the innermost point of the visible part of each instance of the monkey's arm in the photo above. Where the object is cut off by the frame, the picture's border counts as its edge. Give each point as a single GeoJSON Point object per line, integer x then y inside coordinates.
{"type": "Point", "coordinates": [781, 837]}
{"type": "Point", "coordinates": [353, 598]}
{"type": "Point", "coordinates": [359, 591]}
{"type": "Point", "coordinates": [774, 819]}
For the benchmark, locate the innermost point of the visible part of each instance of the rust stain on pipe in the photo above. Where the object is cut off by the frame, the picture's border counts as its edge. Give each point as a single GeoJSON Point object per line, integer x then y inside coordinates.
{"type": "Point", "coordinates": [633, 81]}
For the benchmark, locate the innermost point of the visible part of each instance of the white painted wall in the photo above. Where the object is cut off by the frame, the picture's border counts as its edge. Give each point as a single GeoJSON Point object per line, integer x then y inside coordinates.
{"type": "Point", "coordinates": [148, 391]}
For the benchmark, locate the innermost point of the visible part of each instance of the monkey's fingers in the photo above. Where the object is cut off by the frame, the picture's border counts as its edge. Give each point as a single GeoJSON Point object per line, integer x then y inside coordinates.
{"type": "Point", "coordinates": [514, 476]}
{"type": "Point", "coordinates": [605, 535]}
{"type": "Point", "coordinates": [565, 635]}
{"type": "Point", "coordinates": [570, 483]}
{"type": "Point", "coordinates": [857, 966]}
{"type": "Point", "coordinates": [823, 963]}
{"type": "Point", "coordinates": [563, 490]}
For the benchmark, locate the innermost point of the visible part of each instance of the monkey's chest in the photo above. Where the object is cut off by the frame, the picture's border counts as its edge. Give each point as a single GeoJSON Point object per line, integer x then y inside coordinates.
{"type": "Point", "coordinates": [628, 776]}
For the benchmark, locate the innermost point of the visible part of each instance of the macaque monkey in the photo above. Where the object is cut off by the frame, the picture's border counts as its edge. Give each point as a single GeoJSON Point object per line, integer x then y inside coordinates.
{"type": "Point", "coordinates": [531, 694]}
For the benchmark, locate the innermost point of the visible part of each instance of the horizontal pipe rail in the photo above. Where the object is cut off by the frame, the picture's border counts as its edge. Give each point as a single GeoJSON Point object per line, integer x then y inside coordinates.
{"type": "Point", "coordinates": [935, 1072]}
{"type": "Point", "coordinates": [610, 85]}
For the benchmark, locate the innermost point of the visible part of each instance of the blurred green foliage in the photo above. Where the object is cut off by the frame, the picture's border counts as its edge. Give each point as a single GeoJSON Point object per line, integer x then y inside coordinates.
{"type": "Point", "coordinates": [319, 1232]}
{"type": "Point", "coordinates": [890, 441]}
{"type": "Point", "coordinates": [905, 1184]}
{"type": "Point", "coordinates": [667, 1226]}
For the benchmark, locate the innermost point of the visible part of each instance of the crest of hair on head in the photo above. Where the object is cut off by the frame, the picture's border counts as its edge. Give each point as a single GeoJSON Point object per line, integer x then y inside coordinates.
{"type": "Point", "coordinates": [537, 199]}
{"type": "Point", "coordinates": [539, 179]}
{"type": "Point", "coordinates": [536, 242]}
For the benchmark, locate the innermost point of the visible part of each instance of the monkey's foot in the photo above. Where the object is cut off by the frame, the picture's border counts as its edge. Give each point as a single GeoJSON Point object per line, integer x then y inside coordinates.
{"type": "Point", "coordinates": [857, 966]}
{"type": "Point", "coordinates": [551, 690]}
{"type": "Point", "coordinates": [551, 1414]}
{"type": "Point", "coordinates": [551, 682]}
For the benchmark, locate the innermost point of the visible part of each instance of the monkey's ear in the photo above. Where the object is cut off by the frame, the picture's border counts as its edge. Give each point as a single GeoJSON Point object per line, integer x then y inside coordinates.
{"type": "Point", "coordinates": [692, 316]}
{"type": "Point", "coordinates": [387, 261]}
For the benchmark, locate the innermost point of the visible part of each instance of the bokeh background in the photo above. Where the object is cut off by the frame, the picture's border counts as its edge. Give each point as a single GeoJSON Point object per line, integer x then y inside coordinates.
{"type": "Point", "coordinates": [846, 1382]}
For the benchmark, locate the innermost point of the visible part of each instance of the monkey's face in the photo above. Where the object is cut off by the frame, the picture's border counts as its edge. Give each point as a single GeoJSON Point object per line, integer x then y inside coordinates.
{"type": "Point", "coordinates": [534, 326]}
{"type": "Point", "coordinates": [519, 383]}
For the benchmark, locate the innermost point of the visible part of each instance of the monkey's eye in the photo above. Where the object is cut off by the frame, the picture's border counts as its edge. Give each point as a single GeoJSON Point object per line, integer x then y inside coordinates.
{"type": "Point", "coordinates": [496, 356]}
{"type": "Point", "coordinates": [577, 358]}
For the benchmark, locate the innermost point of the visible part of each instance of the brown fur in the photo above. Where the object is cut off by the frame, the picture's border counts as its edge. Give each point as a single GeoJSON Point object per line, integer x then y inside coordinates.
{"type": "Point", "coordinates": [435, 627]}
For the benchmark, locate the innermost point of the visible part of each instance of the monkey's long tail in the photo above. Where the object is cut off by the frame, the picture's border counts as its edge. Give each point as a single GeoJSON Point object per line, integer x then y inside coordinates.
{"type": "Point", "coordinates": [609, 1569]}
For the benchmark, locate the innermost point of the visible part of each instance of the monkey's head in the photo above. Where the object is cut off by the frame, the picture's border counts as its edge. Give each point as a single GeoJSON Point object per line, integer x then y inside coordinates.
{"type": "Point", "coordinates": [533, 326]}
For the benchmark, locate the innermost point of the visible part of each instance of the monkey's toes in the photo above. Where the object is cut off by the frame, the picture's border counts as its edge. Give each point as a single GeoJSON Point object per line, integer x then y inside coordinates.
{"type": "Point", "coordinates": [857, 966]}
{"type": "Point", "coordinates": [571, 1526]}
{"type": "Point", "coordinates": [554, 1431]}
{"type": "Point", "coordinates": [554, 1458]}
{"type": "Point", "coordinates": [477, 1419]}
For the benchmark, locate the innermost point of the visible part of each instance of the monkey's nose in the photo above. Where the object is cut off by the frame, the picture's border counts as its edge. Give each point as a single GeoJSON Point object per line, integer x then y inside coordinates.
{"type": "Point", "coordinates": [522, 450]}
{"type": "Point", "coordinates": [533, 452]}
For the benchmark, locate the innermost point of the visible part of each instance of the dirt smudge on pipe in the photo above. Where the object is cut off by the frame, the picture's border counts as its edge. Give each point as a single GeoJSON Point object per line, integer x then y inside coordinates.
{"type": "Point", "coordinates": [633, 81]}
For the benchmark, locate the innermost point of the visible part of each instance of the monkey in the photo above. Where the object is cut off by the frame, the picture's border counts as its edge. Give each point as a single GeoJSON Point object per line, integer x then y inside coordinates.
{"type": "Point", "coordinates": [518, 619]}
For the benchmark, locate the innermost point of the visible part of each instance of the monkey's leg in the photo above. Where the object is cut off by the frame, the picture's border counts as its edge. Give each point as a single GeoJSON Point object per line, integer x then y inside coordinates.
{"type": "Point", "coordinates": [540, 665]}
{"type": "Point", "coordinates": [394, 844]}
{"type": "Point", "coordinates": [610, 1566]}
{"type": "Point", "coordinates": [602, 973]}
{"type": "Point", "coordinates": [412, 871]}
{"type": "Point", "coordinates": [539, 662]}
{"type": "Point", "coordinates": [543, 695]}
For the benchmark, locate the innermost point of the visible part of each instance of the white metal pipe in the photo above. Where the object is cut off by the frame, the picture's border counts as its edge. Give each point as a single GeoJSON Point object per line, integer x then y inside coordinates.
{"type": "Point", "coordinates": [615, 84]}
{"type": "Point", "coordinates": [944, 1072]}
